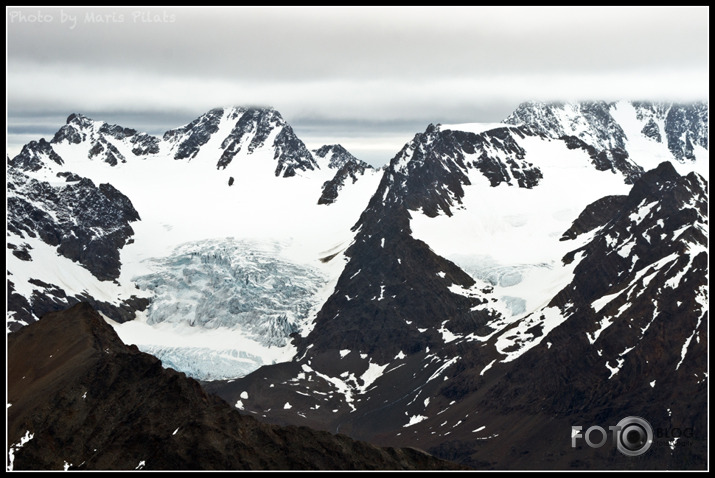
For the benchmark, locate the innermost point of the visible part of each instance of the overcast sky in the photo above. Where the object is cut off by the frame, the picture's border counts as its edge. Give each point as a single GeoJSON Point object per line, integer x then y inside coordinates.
{"type": "Point", "coordinates": [366, 77]}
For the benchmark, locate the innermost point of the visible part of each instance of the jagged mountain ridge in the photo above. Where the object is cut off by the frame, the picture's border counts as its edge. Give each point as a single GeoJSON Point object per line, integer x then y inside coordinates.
{"type": "Point", "coordinates": [335, 370]}
{"type": "Point", "coordinates": [633, 344]}
{"type": "Point", "coordinates": [82, 222]}
{"type": "Point", "coordinates": [598, 127]}
{"type": "Point", "coordinates": [234, 173]}
{"type": "Point", "coordinates": [255, 126]}
{"type": "Point", "coordinates": [347, 166]}
{"type": "Point", "coordinates": [100, 152]}
{"type": "Point", "coordinates": [99, 135]}
{"type": "Point", "coordinates": [434, 321]}
{"type": "Point", "coordinates": [472, 374]}
{"type": "Point", "coordinates": [433, 167]}
{"type": "Point", "coordinates": [88, 223]}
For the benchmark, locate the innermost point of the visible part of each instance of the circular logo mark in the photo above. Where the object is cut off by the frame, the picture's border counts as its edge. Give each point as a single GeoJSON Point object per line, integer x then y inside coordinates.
{"type": "Point", "coordinates": [634, 436]}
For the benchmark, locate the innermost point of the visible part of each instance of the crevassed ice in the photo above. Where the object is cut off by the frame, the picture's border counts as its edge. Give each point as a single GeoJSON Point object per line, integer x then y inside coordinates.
{"type": "Point", "coordinates": [211, 284]}
{"type": "Point", "coordinates": [223, 308]}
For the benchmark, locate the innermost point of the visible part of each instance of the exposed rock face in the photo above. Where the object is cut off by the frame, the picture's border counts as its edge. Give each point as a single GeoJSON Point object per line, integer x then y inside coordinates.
{"type": "Point", "coordinates": [592, 127]}
{"type": "Point", "coordinates": [346, 166]}
{"type": "Point", "coordinates": [683, 126]}
{"type": "Point", "coordinates": [107, 151]}
{"type": "Point", "coordinates": [291, 153]}
{"type": "Point", "coordinates": [590, 121]}
{"type": "Point", "coordinates": [633, 318]}
{"type": "Point", "coordinates": [250, 130]}
{"type": "Point", "coordinates": [634, 343]}
{"type": "Point", "coordinates": [337, 156]}
{"type": "Point", "coordinates": [99, 135]}
{"type": "Point", "coordinates": [33, 155]}
{"type": "Point", "coordinates": [652, 131]}
{"type": "Point", "coordinates": [587, 125]}
{"type": "Point", "coordinates": [79, 399]}
{"type": "Point", "coordinates": [83, 222]}
{"type": "Point", "coordinates": [429, 172]}
{"type": "Point", "coordinates": [87, 223]}
{"type": "Point", "coordinates": [410, 350]}
{"type": "Point", "coordinates": [191, 137]}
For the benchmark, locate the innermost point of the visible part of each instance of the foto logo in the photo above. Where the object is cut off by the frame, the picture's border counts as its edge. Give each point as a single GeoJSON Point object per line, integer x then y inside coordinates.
{"type": "Point", "coordinates": [633, 436]}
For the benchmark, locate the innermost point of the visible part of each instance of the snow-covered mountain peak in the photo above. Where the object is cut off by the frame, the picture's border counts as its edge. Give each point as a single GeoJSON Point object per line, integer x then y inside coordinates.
{"type": "Point", "coordinates": [432, 169]}
{"type": "Point", "coordinates": [625, 137]}
{"type": "Point", "coordinates": [239, 132]}
{"type": "Point", "coordinates": [233, 172]}
{"type": "Point", "coordinates": [35, 156]}
{"type": "Point", "coordinates": [485, 251]}
{"type": "Point", "coordinates": [97, 140]}
{"type": "Point", "coordinates": [335, 156]}
{"type": "Point", "coordinates": [80, 121]}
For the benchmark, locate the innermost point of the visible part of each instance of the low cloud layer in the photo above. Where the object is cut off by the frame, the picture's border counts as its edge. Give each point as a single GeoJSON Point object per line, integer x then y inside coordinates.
{"type": "Point", "coordinates": [379, 70]}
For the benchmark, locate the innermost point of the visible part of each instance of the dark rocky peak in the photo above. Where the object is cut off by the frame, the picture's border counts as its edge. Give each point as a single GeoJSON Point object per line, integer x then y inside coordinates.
{"type": "Point", "coordinates": [338, 156]}
{"type": "Point", "coordinates": [686, 126]}
{"type": "Point", "coordinates": [347, 165]}
{"type": "Point", "coordinates": [256, 123]}
{"type": "Point", "coordinates": [682, 126]}
{"type": "Point", "coordinates": [635, 319]}
{"type": "Point", "coordinates": [255, 126]}
{"type": "Point", "coordinates": [654, 184]}
{"type": "Point", "coordinates": [292, 154]}
{"type": "Point", "coordinates": [662, 213]}
{"type": "Point", "coordinates": [79, 121]}
{"type": "Point", "coordinates": [76, 130]}
{"type": "Point", "coordinates": [80, 128]}
{"type": "Point", "coordinates": [34, 155]}
{"type": "Point", "coordinates": [662, 202]}
{"type": "Point", "coordinates": [88, 224]}
{"type": "Point", "coordinates": [86, 401]}
{"type": "Point", "coordinates": [586, 125]}
{"type": "Point", "coordinates": [191, 137]}
{"type": "Point", "coordinates": [394, 283]}
{"type": "Point", "coordinates": [431, 170]}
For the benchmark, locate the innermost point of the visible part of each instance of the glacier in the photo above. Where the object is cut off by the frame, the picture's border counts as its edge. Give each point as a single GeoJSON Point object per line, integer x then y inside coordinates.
{"type": "Point", "coordinates": [222, 308]}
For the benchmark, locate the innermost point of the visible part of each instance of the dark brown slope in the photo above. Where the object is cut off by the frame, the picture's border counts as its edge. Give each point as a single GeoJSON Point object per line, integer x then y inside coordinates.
{"type": "Point", "coordinates": [91, 402]}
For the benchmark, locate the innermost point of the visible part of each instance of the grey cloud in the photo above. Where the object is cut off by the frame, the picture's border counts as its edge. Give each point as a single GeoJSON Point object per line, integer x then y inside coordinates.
{"type": "Point", "coordinates": [352, 71]}
{"type": "Point", "coordinates": [320, 42]}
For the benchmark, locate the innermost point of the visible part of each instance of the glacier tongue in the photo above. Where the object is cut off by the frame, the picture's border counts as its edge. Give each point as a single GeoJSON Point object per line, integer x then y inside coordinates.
{"type": "Point", "coordinates": [242, 290]}
{"type": "Point", "coordinates": [204, 363]}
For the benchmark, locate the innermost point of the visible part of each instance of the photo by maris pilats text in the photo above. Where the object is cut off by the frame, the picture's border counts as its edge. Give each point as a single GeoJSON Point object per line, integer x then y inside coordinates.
{"type": "Point", "coordinates": [72, 19]}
